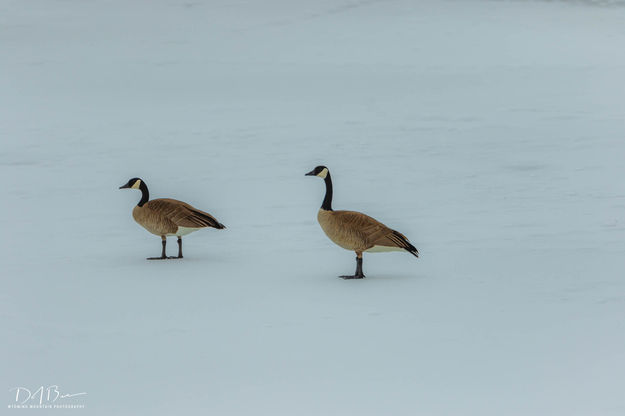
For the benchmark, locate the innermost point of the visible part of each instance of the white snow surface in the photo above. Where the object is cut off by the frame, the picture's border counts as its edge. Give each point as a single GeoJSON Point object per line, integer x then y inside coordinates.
{"type": "Point", "coordinates": [491, 133]}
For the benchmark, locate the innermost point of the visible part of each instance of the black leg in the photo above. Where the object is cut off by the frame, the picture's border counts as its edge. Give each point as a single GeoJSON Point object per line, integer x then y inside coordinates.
{"type": "Point", "coordinates": [359, 274]}
{"type": "Point", "coordinates": [163, 255]}
{"type": "Point", "coordinates": [359, 267]}
{"type": "Point", "coordinates": [179, 247]}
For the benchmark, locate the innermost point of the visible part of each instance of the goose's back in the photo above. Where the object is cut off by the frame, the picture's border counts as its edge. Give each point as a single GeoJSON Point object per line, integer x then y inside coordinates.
{"type": "Point", "coordinates": [359, 232]}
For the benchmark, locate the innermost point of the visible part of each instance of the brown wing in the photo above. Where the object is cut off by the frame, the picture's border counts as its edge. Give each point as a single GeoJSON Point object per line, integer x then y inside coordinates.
{"type": "Point", "coordinates": [183, 214]}
{"type": "Point", "coordinates": [372, 232]}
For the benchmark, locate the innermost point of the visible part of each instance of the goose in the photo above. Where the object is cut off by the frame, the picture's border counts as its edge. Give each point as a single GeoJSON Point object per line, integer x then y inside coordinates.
{"type": "Point", "coordinates": [356, 231]}
{"type": "Point", "coordinates": [168, 217]}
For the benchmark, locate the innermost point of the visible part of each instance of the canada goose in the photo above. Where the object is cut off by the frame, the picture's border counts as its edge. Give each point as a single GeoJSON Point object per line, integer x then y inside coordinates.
{"type": "Point", "coordinates": [165, 217]}
{"type": "Point", "coordinates": [355, 230]}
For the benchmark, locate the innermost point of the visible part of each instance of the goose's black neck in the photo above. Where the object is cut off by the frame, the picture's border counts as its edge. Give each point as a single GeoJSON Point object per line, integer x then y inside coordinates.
{"type": "Point", "coordinates": [327, 201]}
{"type": "Point", "coordinates": [145, 194]}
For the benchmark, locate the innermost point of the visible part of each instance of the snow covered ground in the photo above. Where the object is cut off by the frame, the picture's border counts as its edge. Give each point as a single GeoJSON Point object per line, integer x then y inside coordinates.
{"type": "Point", "coordinates": [491, 133]}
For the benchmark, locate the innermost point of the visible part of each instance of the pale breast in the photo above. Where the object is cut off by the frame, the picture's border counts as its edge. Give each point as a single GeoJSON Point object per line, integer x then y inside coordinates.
{"type": "Point", "coordinates": [340, 232]}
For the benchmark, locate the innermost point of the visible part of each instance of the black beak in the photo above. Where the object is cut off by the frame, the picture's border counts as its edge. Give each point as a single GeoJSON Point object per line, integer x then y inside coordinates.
{"type": "Point", "coordinates": [311, 173]}
{"type": "Point", "coordinates": [124, 186]}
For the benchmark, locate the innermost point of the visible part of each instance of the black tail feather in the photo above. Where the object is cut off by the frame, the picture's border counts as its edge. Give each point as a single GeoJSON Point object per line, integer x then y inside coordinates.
{"type": "Point", "coordinates": [209, 221]}
{"type": "Point", "coordinates": [412, 250]}
{"type": "Point", "coordinates": [405, 244]}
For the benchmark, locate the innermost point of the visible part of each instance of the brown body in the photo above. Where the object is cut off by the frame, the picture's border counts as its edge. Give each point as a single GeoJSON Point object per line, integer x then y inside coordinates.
{"type": "Point", "coordinates": [358, 232]}
{"type": "Point", "coordinates": [165, 217]}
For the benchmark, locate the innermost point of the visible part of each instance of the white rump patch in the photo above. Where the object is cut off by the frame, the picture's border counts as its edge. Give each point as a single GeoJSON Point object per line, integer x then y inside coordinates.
{"type": "Point", "coordinates": [136, 185]}
{"type": "Point", "coordinates": [382, 249]}
{"type": "Point", "coordinates": [323, 173]}
{"type": "Point", "coordinates": [184, 231]}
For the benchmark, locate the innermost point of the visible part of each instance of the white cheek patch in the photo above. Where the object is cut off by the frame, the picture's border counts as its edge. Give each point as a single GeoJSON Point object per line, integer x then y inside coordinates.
{"type": "Point", "coordinates": [136, 184]}
{"type": "Point", "coordinates": [323, 173]}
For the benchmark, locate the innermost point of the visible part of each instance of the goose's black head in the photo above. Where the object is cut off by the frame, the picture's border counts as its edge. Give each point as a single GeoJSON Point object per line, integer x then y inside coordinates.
{"type": "Point", "coordinates": [137, 183]}
{"type": "Point", "coordinates": [133, 183]}
{"type": "Point", "coordinates": [320, 171]}
{"type": "Point", "coordinates": [324, 173]}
